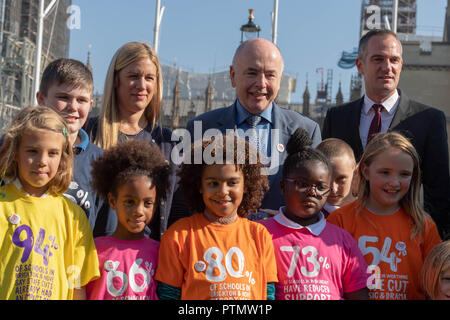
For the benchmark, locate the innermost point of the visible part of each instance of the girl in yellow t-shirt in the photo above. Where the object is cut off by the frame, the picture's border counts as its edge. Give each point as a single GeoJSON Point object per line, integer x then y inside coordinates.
{"type": "Point", "coordinates": [217, 253]}
{"type": "Point", "coordinates": [393, 232]}
{"type": "Point", "coordinates": [47, 248]}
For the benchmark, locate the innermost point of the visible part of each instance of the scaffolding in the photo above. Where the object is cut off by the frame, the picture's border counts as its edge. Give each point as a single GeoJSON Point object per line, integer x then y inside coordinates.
{"type": "Point", "coordinates": [18, 28]}
{"type": "Point", "coordinates": [406, 14]}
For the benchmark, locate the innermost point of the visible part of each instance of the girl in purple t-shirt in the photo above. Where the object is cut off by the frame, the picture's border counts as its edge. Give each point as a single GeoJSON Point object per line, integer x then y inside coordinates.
{"type": "Point", "coordinates": [316, 260]}
{"type": "Point", "coordinates": [133, 177]}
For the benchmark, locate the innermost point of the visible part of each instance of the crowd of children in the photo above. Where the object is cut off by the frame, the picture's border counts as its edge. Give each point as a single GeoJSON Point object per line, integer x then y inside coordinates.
{"type": "Point", "coordinates": [74, 218]}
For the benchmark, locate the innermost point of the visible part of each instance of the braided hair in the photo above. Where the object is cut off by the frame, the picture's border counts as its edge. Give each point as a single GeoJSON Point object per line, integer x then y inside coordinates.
{"type": "Point", "coordinates": [300, 150]}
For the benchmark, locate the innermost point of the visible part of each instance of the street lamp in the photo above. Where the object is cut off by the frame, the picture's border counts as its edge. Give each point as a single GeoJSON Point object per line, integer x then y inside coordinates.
{"type": "Point", "coordinates": [250, 27]}
{"type": "Point", "coordinates": [42, 13]}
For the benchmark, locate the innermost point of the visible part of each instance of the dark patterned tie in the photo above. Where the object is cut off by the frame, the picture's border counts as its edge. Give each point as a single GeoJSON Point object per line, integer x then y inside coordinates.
{"type": "Point", "coordinates": [252, 122]}
{"type": "Point", "coordinates": [375, 125]}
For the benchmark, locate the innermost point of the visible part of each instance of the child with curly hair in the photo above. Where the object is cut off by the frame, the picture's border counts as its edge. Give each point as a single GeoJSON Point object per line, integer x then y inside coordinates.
{"type": "Point", "coordinates": [217, 253]}
{"type": "Point", "coordinates": [133, 176]}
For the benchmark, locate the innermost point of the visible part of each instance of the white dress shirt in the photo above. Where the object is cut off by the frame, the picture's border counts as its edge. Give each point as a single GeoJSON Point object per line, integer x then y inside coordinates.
{"type": "Point", "coordinates": [367, 114]}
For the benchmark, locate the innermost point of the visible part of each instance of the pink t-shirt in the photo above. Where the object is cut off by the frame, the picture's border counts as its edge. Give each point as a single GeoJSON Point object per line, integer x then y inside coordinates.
{"type": "Point", "coordinates": [127, 268]}
{"type": "Point", "coordinates": [317, 262]}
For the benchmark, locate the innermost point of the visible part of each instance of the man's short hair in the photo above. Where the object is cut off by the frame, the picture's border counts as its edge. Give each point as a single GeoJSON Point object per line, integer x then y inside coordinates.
{"type": "Point", "coordinates": [70, 72]}
{"type": "Point", "coordinates": [334, 147]}
{"type": "Point", "coordinates": [375, 32]}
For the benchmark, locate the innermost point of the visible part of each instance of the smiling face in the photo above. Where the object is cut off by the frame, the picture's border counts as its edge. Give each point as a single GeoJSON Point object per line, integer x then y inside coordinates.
{"type": "Point", "coordinates": [381, 66]}
{"type": "Point", "coordinates": [222, 188]}
{"type": "Point", "coordinates": [389, 177]}
{"type": "Point", "coordinates": [134, 205]}
{"type": "Point", "coordinates": [38, 159]}
{"type": "Point", "coordinates": [72, 104]}
{"type": "Point", "coordinates": [256, 74]}
{"type": "Point", "coordinates": [136, 86]}
{"type": "Point", "coordinates": [303, 206]}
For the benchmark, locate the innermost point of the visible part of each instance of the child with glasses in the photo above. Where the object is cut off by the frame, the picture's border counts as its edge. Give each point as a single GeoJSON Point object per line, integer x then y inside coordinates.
{"type": "Point", "coordinates": [315, 259]}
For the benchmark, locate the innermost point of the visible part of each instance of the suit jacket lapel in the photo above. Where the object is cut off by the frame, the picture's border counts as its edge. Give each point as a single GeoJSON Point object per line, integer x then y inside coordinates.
{"type": "Point", "coordinates": [402, 110]}
{"type": "Point", "coordinates": [227, 119]}
{"type": "Point", "coordinates": [282, 124]}
{"type": "Point", "coordinates": [354, 127]}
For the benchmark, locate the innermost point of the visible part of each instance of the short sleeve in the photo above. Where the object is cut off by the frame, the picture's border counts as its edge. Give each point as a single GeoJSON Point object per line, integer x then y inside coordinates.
{"type": "Point", "coordinates": [85, 256]}
{"type": "Point", "coordinates": [170, 267]}
{"type": "Point", "coordinates": [270, 262]}
{"type": "Point", "coordinates": [355, 269]}
{"type": "Point", "coordinates": [431, 237]}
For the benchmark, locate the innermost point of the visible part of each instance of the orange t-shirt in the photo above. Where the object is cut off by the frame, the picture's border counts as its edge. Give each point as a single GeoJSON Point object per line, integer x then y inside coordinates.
{"type": "Point", "coordinates": [394, 260]}
{"type": "Point", "coordinates": [210, 261]}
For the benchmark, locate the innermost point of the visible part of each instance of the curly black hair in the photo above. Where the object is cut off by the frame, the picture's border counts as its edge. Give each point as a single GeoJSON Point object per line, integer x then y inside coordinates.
{"type": "Point", "coordinates": [127, 160]}
{"type": "Point", "coordinates": [243, 156]}
{"type": "Point", "coordinates": [299, 149]}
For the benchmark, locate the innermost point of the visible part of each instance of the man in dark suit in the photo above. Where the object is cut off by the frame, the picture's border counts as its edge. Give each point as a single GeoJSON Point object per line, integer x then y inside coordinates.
{"type": "Point", "coordinates": [385, 108]}
{"type": "Point", "coordinates": [256, 74]}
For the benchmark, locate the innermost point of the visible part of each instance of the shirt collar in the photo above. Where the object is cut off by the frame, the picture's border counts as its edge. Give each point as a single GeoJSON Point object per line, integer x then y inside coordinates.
{"type": "Point", "coordinates": [243, 114]}
{"type": "Point", "coordinates": [389, 104]}
{"type": "Point", "coordinates": [20, 188]}
{"type": "Point", "coordinates": [315, 228]}
{"type": "Point", "coordinates": [329, 207]}
{"type": "Point", "coordinates": [84, 138]}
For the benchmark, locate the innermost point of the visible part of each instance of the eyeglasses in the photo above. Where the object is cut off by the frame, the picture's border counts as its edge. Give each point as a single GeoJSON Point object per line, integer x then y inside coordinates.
{"type": "Point", "coordinates": [302, 186]}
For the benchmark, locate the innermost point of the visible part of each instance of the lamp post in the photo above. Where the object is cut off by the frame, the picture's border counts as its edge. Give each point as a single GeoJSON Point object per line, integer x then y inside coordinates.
{"type": "Point", "coordinates": [275, 22]}
{"type": "Point", "coordinates": [158, 17]}
{"type": "Point", "coordinates": [40, 30]}
{"type": "Point", "coordinates": [250, 27]}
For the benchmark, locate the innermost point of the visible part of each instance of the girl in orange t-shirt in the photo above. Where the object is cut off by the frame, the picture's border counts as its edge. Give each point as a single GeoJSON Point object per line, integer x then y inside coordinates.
{"type": "Point", "coordinates": [393, 232]}
{"type": "Point", "coordinates": [217, 253]}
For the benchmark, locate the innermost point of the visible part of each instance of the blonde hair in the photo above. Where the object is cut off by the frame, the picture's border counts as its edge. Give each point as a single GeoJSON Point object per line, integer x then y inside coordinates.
{"type": "Point", "coordinates": [410, 202]}
{"type": "Point", "coordinates": [436, 263]}
{"type": "Point", "coordinates": [108, 124]}
{"type": "Point", "coordinates": [37, 118]}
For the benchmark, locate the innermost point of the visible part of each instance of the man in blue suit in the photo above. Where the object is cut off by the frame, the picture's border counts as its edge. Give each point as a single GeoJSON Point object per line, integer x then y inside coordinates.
{"type": "Point", "coordinates": [256, 75]}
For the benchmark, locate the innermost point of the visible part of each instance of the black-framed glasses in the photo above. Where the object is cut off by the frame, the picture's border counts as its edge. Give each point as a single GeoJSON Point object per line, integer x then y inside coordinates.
{"type": "Point", "coordinates": [302, 186]}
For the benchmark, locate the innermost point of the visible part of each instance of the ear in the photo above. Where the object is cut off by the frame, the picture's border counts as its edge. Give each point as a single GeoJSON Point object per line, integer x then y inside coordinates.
{"type": "Point", "coordinates": [364, 171]}
{"type": "Point", "coordinates": [360, 66]}
{"type": "Point", "coordinates": [232, 74]}
{"type": "Point", "coordinates": [40, 98]}
{"type": "Point", "coordinates": [111, 201]}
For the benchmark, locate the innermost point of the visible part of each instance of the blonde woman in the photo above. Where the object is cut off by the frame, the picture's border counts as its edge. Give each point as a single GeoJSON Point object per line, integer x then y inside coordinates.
{"type": "Point", "coordinates": [130, 110]}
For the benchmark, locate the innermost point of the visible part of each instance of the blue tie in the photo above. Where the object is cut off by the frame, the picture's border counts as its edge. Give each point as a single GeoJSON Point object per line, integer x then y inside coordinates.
{"type": "Point", "coordinates": [252, 122]}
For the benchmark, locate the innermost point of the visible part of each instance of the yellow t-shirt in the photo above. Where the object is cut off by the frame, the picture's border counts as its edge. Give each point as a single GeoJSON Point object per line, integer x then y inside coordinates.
{"type": "Point", "coordinates": [210, 261]}
{"type": "Point", "coordinates": [394, 259]}
{"type": "Point", "coordinates": [46, 247]}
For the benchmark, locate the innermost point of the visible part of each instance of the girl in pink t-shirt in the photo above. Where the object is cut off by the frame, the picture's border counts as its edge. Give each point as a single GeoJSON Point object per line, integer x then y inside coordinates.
{"type": "Point", "coordinates": [134, 177]}
{"type": "Point", "coordinates": [315, 259]}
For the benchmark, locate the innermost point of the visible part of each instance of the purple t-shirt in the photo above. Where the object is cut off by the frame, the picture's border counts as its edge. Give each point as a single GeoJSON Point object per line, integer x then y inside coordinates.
{"type": "Point", "coordinates": [317, 262]}
{"type": "Point", "coordinates": [127, 268]}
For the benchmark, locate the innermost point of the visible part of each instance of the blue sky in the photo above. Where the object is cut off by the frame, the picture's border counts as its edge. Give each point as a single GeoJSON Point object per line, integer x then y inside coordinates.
{"type": "Point", "coordinates": [201, 35]}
